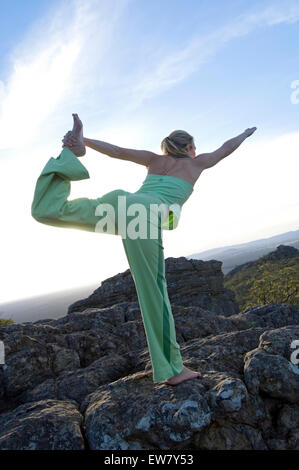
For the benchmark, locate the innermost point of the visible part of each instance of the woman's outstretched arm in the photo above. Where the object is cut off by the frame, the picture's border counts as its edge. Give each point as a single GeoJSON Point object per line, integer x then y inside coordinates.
{"type": "Point", "coordinates": [142, 157]}
{"type": "Point", "coordinates": [76, 141]}
{"type": "Point", "coordinates": [207, 160]}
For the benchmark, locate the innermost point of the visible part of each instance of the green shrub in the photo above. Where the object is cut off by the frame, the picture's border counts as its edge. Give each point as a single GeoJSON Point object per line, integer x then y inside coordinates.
{"type": "Point", "coordinates": [263, 282]}
{"type": "Point", "coordinates": [4, 322]}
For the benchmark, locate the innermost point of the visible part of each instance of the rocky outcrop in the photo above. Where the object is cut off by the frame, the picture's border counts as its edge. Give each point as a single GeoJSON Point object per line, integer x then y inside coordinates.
{"type": "Point", "coordinates": [84, 381]}
{"type": "Point", "coordinates": [269, 316]}
{"type": "Point", "coordinates": [42, 425]}
{"type": "Point", "coordinates": [190, 282]}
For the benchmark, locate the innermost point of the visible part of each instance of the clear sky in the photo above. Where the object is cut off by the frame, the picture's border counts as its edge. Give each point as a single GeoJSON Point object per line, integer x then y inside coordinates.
{"type": "Point", "coordinates": [135, 70]}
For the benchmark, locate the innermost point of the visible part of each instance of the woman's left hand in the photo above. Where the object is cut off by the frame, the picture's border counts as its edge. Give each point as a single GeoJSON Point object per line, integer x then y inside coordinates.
{"type": "Point", "coordinates": [74, 144]}
{"type": "Point", "coordinates": [69, 139]}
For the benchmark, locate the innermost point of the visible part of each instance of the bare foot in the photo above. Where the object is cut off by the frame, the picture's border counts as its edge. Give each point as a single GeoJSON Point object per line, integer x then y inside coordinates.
{"type": "Point", "coordinates": [74, 138]}
{"type": "Point", "coordinates": [186, 374]}
{"type": "Point", "coordinates": [78, 128]}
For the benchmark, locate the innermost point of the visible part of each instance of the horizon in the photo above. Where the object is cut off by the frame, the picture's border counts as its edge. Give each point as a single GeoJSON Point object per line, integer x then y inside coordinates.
{"type": "Point", "coordinates": [63, 291]}
{"type": "Point", "coordinates": [215, 73]}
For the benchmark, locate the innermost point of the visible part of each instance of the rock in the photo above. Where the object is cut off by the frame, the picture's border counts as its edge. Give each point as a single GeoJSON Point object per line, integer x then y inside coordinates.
{"type": "Point", "coordinates": [76, 384]}
{"type": "Point", "coordinates": [190, 282]}
{"type": "Point", "coordinates": [42, 425]}
{"type": "Point", "coordinates": [229, 395]}
{"type": "Point", "coordinates": [285, 435]}
{"type": "Point", "coordinates": [27, 367]}
{"type": "Point", "coordinates": [128, 414]}
{"type": "Point", "coordinates": [288, 425]}
{"type": "Point", "coordinates": [270, 316]}
{"type": "Point", "coordinates": [123, 409]}
{"type": "Point", "coordinates": [268, 368]}
{"type": "Point", "coordinates": [85, 380]}
{"type": "Point", "coordinates": [231, 437]}
{"type": "Point", "coordinates": [64, 359]}
{"type": "Point", "coordinates": [61, 352]}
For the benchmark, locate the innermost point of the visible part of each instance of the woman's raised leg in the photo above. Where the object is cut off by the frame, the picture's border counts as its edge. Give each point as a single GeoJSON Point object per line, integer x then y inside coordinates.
{"type": "Point", "coordinates": [50, 205]}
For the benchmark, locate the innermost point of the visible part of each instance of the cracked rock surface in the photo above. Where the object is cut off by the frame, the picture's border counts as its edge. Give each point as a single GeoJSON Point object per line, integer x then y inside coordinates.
{"type": "Point", "coordinates": [84, 380]}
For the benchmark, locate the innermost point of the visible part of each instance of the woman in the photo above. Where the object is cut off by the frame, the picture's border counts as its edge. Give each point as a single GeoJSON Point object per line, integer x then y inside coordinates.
{"type": "Point", "coordinates": [167, 186]}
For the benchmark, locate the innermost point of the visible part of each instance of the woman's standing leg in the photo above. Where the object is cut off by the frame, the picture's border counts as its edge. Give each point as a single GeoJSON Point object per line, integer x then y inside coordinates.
{"type": "Point", "coordinates": [147, 264]}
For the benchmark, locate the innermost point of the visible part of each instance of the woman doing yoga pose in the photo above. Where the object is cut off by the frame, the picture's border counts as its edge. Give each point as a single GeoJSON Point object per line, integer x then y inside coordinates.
{"type": "Point", "coordinates": [169, 183]}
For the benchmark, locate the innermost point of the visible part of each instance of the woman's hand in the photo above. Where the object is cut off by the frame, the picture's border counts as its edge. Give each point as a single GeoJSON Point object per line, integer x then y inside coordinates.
{"type": "Point", "coordinates": [69, 139]}
{"type": "Point", "coordinates": [249, 131]}
{"type": "Point", "coordinates": [74, 144]}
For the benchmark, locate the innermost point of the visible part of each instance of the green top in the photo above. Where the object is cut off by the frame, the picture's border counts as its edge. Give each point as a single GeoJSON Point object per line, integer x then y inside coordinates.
{"type": "Point", "coordinates": [172, 191]}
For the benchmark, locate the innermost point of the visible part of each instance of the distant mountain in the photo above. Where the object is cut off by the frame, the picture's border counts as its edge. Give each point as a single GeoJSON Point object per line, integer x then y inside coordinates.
{"type": "Point", "coordinates": [235, 255]}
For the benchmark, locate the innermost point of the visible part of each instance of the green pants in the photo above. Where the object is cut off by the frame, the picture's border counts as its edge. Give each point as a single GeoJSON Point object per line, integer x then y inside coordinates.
{"type": "Point", "coordinates": [144, 254]}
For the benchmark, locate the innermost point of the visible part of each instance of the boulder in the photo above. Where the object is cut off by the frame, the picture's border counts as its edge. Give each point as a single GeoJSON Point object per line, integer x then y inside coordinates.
{"type": "Point", "coordinates": [190, 282]}
{"type": "Point", "coordinates": [42, 425]}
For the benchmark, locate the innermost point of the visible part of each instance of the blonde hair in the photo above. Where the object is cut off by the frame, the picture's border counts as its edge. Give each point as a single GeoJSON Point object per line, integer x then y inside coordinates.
{"type": "Point", "coordinates": [176, 143]}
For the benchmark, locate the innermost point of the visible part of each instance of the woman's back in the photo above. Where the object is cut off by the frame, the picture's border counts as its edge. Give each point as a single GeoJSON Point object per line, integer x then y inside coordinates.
{"type": "Point", "coordinates": [178, 166]}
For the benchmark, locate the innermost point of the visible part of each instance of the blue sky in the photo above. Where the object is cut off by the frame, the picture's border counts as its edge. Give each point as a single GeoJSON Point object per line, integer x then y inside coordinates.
{"type": "Point", "coordinates": [134, 71]}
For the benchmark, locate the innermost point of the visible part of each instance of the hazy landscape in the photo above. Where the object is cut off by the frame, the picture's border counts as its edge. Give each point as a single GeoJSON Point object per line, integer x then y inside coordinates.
{"type": "Point", "coordinates": [54, 305]}
{"type": "Point", "coordinates": [234, 255]}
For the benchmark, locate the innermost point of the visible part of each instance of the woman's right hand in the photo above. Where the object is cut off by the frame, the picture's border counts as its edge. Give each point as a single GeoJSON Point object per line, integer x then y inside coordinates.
{"type": "Point", "coordinates": [249, 131]}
